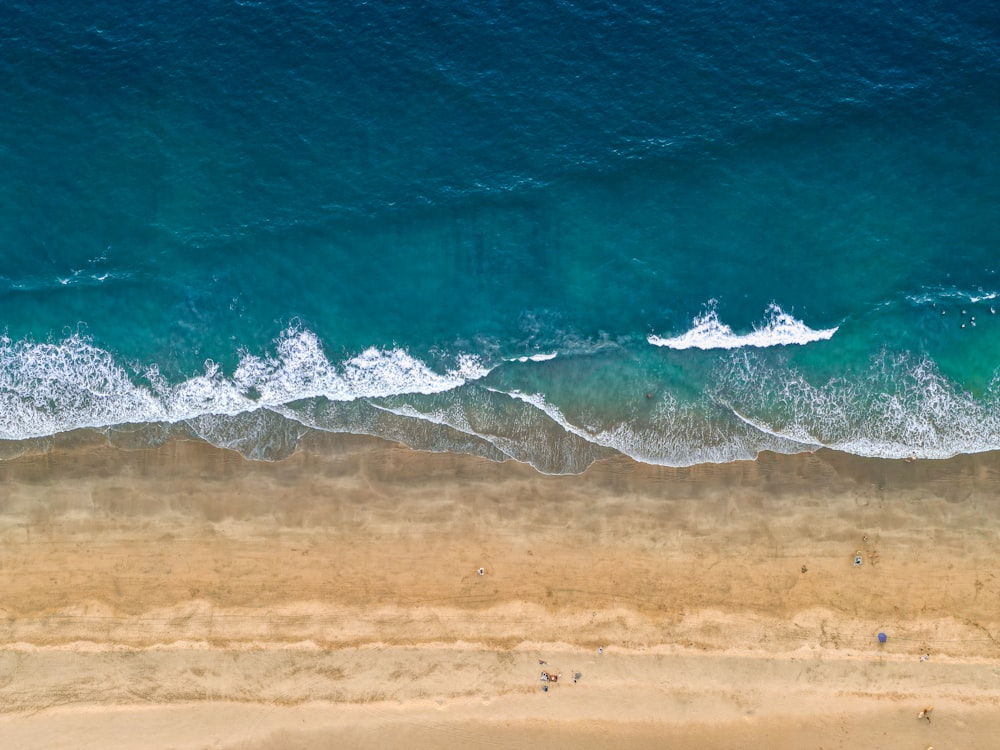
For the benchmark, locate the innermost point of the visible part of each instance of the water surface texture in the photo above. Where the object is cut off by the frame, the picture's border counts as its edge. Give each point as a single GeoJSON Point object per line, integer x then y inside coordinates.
{"type": "Point", "coordinates": [552, 232]}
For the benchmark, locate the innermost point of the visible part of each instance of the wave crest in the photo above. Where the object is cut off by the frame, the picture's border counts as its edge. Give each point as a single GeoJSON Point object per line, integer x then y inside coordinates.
{"type": "Point", "coordinates": [708, 332]}
{"type": "Point", "coordinates": [48, 388]}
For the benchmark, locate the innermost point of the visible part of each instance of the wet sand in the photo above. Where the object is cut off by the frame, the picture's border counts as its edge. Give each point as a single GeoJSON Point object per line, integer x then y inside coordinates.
{"type": "Point", "coordinates": [184, 597]}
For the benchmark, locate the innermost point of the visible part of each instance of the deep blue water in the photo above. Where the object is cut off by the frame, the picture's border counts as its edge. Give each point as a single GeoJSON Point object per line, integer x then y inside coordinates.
{"type": "Point", "coordinates": [551, 232]}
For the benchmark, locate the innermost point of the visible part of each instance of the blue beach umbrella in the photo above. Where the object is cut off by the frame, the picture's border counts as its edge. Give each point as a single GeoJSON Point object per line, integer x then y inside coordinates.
{"type": "Point", "coordinates": [881, 637]}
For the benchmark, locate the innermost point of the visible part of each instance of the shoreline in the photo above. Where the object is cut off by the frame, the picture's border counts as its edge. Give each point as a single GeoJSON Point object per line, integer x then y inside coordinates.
{"type": "Point", "coordinates": [344, 581]}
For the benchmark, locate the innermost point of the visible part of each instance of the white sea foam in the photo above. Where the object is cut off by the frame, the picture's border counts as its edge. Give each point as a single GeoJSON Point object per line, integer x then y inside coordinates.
{"type": "Point", "coordinates": [536, 358]}
{"type": "Point", "coordinates": [302, 370]}
{"type": "Point", "coordinates": [937, 295]}
{"type": "Point", "coordinates": [47, 388]}
{"type": "Point", "coordinates": [708, 332]}
{"type": "Point", "coordinates": [902, 406]}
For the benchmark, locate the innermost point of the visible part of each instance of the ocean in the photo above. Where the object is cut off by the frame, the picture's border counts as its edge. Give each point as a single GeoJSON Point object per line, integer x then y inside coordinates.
{"type": "Point", "coordinates": [549, 232]}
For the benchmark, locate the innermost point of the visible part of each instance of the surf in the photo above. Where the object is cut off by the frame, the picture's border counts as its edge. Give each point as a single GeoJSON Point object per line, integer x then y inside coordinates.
{"type": "Point", "coordinates": [709, 332]}
{"type": "Point", "coordinates": [52, 387]}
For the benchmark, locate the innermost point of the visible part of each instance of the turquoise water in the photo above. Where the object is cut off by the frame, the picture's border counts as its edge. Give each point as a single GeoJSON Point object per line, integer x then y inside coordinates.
{"type": "Point", "coordinates": [551, 233]}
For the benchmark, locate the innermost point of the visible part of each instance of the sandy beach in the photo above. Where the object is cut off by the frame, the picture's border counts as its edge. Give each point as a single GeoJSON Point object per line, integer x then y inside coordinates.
{"type": "Point", "coordinates": [183, 597]}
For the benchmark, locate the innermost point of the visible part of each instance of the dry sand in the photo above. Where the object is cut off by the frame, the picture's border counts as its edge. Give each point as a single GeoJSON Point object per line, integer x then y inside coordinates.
{"type": "Point", "coordinates": [182, 597]}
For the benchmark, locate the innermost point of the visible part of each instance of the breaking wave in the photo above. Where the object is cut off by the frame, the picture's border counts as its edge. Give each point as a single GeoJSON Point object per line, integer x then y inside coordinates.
{"type": "Point", "coordinates": [708, 332]}
{"type": "Point", "coordinates": [48, 388]}
{"type": "Point", "coordinates": [536, 357]}
{"type": "Point", "coordinates": [558, 414]}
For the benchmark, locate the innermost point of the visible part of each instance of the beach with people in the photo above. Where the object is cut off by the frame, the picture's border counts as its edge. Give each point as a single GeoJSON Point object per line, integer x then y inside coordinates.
{"type": "Point", "coordinates": [363, 594]}
{"type": "Point", "coordinates": [484, 375]}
